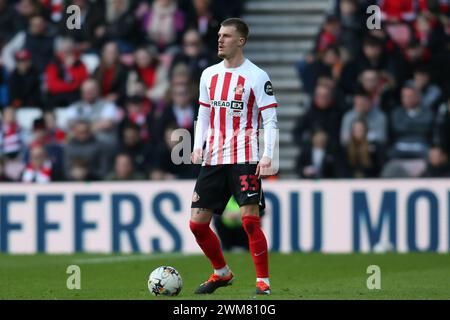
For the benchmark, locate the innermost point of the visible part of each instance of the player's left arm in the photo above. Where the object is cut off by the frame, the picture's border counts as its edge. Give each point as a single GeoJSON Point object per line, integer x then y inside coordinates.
{"type": "Point", "coordinates": [269, 117]}
{"type": "Point", "coordinates": [267, 106]}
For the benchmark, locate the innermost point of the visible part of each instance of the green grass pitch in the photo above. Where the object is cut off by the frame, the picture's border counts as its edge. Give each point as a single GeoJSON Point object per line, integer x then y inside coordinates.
{"type": "Point", "coordinates": [293, 276]}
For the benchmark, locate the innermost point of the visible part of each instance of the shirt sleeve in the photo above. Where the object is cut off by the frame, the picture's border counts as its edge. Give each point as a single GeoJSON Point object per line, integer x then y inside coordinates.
{"type": "Point", "coordinates": [201, 127]}
{"type": "Point", "coordinates": [203, 99]}
{"type": "Point", "coordinates": [264, 92]}
{"type": "Point", "coordinates": [269, 116]}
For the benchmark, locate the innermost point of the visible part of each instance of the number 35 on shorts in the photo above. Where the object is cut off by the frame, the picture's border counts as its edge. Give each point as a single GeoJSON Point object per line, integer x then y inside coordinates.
{"type": "Point", "coordinates": [249, 182]}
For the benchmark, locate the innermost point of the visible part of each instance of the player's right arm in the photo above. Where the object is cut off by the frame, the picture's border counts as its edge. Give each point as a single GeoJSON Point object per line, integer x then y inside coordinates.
{"type": "Point", "coordinates": [203, 119]}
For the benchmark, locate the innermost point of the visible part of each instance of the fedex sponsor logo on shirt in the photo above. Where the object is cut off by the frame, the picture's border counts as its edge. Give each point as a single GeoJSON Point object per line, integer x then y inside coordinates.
{"type": "Point", "coordinates": [233, 105]}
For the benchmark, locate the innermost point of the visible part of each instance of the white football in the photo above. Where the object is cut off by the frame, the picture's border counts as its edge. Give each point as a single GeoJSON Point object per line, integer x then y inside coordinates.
{"type": "Point", "coordinates": [165, 281]}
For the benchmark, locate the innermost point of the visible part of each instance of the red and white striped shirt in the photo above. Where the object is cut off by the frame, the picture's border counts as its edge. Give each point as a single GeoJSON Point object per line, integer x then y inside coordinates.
{"type": "Point", "coordinates": [236, 97]}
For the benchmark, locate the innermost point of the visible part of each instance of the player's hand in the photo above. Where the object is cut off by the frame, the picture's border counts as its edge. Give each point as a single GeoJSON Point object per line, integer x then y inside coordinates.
{"type": "Point", "coordinates": [263, 167]}
{"type": "Point", "coordinates": [196, 156]}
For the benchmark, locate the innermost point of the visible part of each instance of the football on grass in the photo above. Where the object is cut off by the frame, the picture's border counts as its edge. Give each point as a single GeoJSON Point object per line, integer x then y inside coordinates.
{"type": "Point", "coordinates": [165, 281]}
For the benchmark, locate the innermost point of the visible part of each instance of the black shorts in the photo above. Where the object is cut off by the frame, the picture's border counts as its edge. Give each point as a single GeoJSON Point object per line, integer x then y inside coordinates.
{"type": "Point", "coordinates": [216, 184]}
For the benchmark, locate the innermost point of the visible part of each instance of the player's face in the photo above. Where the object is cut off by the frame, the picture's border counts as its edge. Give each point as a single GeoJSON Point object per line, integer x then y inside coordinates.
{"type": "Point", "coordinates": [229, 42]}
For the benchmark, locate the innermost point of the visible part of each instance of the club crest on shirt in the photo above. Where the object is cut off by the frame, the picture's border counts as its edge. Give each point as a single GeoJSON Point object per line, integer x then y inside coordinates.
{"type": "Point", "coordinates": [239, 89]}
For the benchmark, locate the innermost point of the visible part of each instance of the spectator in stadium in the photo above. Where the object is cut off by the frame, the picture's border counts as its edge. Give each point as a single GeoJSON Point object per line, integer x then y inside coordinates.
{"type": "Point", "coordinates": [3, 176]}
{"type": "Point", "coordinates": [79, 171]}
{"type": "Point", "coordinates": [111, 74]}
{"type": "Point", "coordinates": [86, 39]}
{"type": "Point", "coordinates": [328, 35]}
{"type": "Point", "coordinates": [120, 25]}
{"type": "Point", "coordinates": [202, 19]}
{"type": "Point", "coordinates": [180, 75]}
{"type": "Point", "coordinates": [379, 87]}
{"type": "Point", "coordinates": [41, 136]}
{"type": "Point", "coordinates": [4, 90]}
{"type": "Point", "coordinates": [8, 22]}
{"type": "Point", "coordinates": [411, 125]}
{"type": "Point", "coordinates": [429, 31]}
{"type": "Point", "coordinates": [164, 167]}
{"type": "Point", "coordinates": [322, 114]}
{"type": "Point", "coordinates": [140, 112]}
{"type": "Point", "coordinates": [374, 118]}
{"type": "Point", "coordinates": [390, 47]}
{"type": "Point", "coordinates": [444, 17]}
{"type": "Point", "coordinates": [332, 63]}
{"type": "Point", "coordinates": [11, 139]}
{"type": "Point", "coordinates": [53, 10]}
{"type": "Point", "coordinates": [362, 158]}
{"type": "Point", "coordinates": [132, 144]}
{"type": "Point", "coordinates": [411, 131]}
{"type": "Point", "coordinates": [414, 56]}
{"type": "Point", "coordinates": [36, 40]}
{"type": "Point", "coordinates": [329, 63]}
{"type": "Point", "coordinates": [193, 54]}
{"type": "Point", "coordinates": [124, 169]}
{"type": "Point", "coordinates": [162, 23]}
{"type": "Point", "coordinates": [83, 145]}
{"type": "Point", "coordinates": [327, 80]}
{"type": "Point", "coordinates": [372, 56]}
{"type": "Point", "coordinates": [64, 75]}
{"type": "Point", "coordinates": [442, 131]}
{"type": "Point", "coordinates": [351, 25]}
{"type": "Point", "coordinates": [440, 65]}
{"type": "Point", "coordinates": [438, 165]}
{"type": "Point", "coordinates": [439, 8]}
{"type": "Point", "coordinates": [148, 76]}
{"type": "Point", "coordinates": [24, 83]}
{"type": "Point", "coordinates": [40, 168]}
{"type": "Point", "coordinates": [431, 95]}
{"type": "Point", "coordinates": [103, 113]}
{"type": "Point", "coordinates": [25, 10]}
{"type": "Point", "coordinates": [316, 160]}
{"type": "Point", "coordinates": [55, 134]}
{"type": "Point", "coordinates": [397, 10]}
{"type": "Point", "coordinates": [181, 111]}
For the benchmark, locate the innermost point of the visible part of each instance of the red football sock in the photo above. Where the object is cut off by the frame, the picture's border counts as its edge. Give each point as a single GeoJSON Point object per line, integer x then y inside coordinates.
{"type": "Point", "coordinates": [209, 243]}
{"type": "Point", "coordinates": [258, 245]}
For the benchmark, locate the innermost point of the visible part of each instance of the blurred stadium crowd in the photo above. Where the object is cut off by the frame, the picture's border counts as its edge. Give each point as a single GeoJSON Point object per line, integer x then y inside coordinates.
{"type": "Point", "coordinates": [380, 98]}
{"type": "Point", "coordinates": [101, 102]}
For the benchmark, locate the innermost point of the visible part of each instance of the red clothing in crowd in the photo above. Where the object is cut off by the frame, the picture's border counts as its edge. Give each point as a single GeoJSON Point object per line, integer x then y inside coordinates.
{"type": "Point", "coordinates": [148, 75]}
{"type": "Point", "coordinates": [57, 136]}
{"type": "Point", "coordinates": [10, 140]}
{"type": "Point", "coordinates": [62, 79]}
{"type": "Point", "coordinates": [56, 8]}
{"type": "Point", "coordinates": [108, 77]}
{"type": "Point", "coordinates": [38, 175]}
{"type": "Point", "coordinates": [140, 118]}
{"type": "Point", "coordinates": [325, 40]}
{"type": "Point", "coordinates": [443, 6]}
{"type": "Point", "coordinates": [402, 10]}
